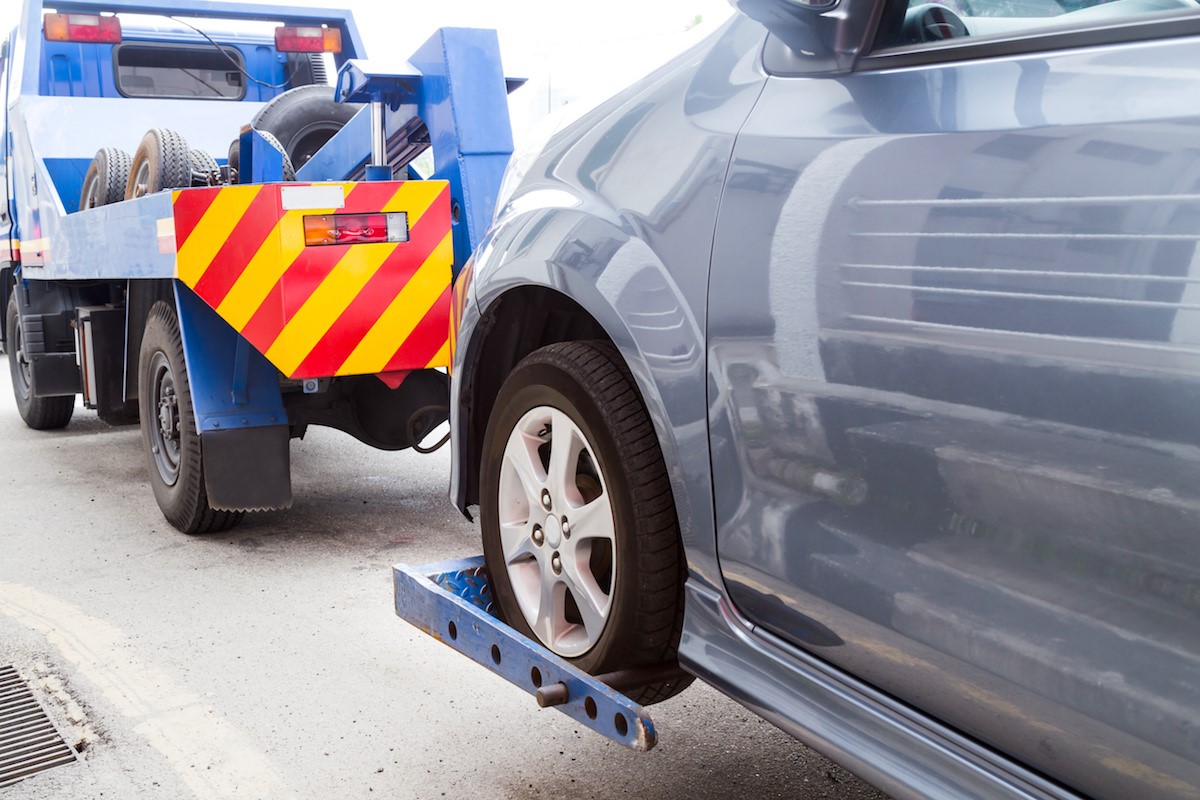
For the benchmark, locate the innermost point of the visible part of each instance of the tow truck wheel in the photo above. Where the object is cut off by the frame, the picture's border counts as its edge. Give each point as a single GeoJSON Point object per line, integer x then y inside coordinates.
{"type": "Point", "coordinates": [39, 413]}
{"type": "Point", "coordinates": [169, 434]}
{"type": "Point", "coordinates": [163, 160]}
{"type": "Point", "coordinates": [579, 526]}
{"type": "Point", "coordinates": [106, 178]}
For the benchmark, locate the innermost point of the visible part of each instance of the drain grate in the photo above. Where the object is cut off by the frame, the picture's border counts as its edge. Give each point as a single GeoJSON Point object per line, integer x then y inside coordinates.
{"type": "Point", "coordinates": [28, 742]}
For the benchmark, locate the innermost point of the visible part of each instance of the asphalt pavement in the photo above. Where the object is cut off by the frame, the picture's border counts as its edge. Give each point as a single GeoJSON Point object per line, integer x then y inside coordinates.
{"type": "Point", "coordinates": [268, 662]}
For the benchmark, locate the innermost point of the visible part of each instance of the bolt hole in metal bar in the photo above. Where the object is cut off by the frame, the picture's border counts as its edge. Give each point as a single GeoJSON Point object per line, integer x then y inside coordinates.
{"type": "Point", "coordinates": [29, 744]}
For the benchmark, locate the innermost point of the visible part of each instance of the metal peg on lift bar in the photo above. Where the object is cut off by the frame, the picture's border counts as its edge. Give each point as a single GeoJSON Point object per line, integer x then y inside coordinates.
{"type": "Point", "coordinates": [624, 681]}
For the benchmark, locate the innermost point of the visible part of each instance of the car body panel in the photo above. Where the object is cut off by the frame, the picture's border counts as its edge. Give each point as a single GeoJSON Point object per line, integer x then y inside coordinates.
{"type": "Point", "coordinates": [954, 331]}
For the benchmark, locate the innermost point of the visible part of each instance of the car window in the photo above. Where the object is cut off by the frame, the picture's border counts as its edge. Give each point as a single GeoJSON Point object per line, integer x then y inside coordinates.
{"type": "Point", "coordinates": [909, 23]}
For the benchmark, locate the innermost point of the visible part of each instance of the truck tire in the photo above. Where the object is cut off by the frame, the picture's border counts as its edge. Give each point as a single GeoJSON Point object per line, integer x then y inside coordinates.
{"type": "Point", "coordinates": [39, 413]}
{"type": "Point", "coordinates": [106, 178]}
{"type": "Point", "coordinates": [304, 119]}
{"type": "Point", "coordinates": [169, 435]}
{"type": "Point", "coordinates": [582, 543]}
{"type": "Point", "coordinates": [162, 161]}
{"type": "Point", "coordinates": [235, 157]}
{"type": "Point", "coordinates": [205, 169]}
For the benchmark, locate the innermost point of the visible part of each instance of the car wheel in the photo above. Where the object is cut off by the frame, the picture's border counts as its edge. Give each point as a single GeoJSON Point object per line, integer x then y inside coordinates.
{"type": "Point", "coordinates": [172, 443]}
{"type": "Point", "coordinates": [106, 178]}
{"type": "Point", "coordinates": [163, 160]}
{"type": "Point", "coordinates": [304, 119]}
{"type": "Point", "coordinates": [39, 413]}
{"type": "Point", "coordinates": [579, 526]}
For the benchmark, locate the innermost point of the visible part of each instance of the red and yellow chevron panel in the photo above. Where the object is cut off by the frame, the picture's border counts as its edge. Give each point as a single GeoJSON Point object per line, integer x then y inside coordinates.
{"type": "Point", "coordinates": [321, 311]}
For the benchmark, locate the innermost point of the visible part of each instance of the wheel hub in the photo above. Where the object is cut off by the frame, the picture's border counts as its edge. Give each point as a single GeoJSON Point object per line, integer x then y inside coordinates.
{"type": "Point", "coordinates": [553, 531]}
{"type": "Point", "coordinates": [168, 414]}
{"type": "Point", "coordinates": [165, 430]}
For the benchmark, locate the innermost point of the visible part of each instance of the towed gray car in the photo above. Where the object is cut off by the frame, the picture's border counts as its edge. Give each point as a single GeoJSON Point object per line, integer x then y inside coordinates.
{"type": "Point", "coordinates": [853, 359]}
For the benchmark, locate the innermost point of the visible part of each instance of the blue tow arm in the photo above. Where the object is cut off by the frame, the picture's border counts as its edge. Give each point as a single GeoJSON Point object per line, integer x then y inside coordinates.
{"type": "Point", "coordinates": [451, 95]}
{"type": "Point", "coordinates": [452, 602]}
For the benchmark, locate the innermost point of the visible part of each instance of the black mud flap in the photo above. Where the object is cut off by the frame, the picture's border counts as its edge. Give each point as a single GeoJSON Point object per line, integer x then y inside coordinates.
{"type": "Point", "coordinates": [248, 469]}
{"type": "Point", "coordinates": [54, 375]}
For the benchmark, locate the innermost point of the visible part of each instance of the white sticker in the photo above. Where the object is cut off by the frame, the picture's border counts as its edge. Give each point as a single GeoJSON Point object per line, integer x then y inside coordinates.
{"type": "Point", "coordinates": [311, 198]}
{"type": "Point", "coordinates": [166, 235]}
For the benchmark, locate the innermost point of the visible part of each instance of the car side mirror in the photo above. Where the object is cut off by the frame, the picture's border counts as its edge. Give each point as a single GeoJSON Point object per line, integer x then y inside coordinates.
{"type": "Point", "coordinates": [828, 34]}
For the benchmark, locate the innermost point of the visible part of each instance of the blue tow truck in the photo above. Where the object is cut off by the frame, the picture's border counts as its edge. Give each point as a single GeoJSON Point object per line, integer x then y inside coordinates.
{"type": "Point", "coordinates": [201, 235]}
{"type": "Point", "coordinates": [269, 257]}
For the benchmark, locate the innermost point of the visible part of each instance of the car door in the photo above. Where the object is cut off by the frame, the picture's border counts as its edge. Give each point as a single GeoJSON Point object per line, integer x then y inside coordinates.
{"type": "Point", "coordinates": [954, 350]}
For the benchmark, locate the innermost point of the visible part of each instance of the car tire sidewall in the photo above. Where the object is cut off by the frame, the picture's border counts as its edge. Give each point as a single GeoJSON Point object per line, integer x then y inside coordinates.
{"type": "Point", "coordinates": [541, 384]}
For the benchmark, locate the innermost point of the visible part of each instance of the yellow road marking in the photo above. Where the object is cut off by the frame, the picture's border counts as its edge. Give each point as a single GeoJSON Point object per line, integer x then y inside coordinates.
{"type": "Point", "coordinates": [216, 759]}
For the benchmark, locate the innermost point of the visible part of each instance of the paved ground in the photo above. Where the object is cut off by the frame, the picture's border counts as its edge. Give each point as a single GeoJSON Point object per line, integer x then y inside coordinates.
{"type": "Point", "coordinates": [267, 663]}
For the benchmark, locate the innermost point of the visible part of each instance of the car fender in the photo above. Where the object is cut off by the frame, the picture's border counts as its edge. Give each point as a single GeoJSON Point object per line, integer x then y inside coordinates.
{"type": "Point", "coordinates": [589, 253]}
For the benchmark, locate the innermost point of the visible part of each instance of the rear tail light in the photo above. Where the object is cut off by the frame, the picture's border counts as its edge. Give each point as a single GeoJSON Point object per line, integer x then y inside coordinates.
{"type": "Point", "coordinates": [82, 28]}
{"type": "Point", "coordinates": [355, 229]}
{"type": "Point", "coordinates": [308, 40]}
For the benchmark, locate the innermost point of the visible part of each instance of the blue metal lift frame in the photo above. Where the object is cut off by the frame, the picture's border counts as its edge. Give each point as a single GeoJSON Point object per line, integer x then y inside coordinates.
{"type": "Point", "coordinates": [451, 602]}
{"type": "Point", "coordinates": [456, 86]}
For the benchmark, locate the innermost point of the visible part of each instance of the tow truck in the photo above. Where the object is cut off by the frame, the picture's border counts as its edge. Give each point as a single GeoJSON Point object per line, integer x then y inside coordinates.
{"type": "Point", "coordinates": [227, 296]}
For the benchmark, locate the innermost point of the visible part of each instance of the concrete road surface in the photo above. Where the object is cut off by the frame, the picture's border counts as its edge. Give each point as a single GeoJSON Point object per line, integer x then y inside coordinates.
{"type": "Point", "coordinates": [267, 663]}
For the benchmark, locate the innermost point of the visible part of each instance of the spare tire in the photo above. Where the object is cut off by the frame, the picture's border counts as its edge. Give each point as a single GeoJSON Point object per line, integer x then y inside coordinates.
{"type": "Point", "coordinates": [304, 119]}
{"type": "Point", "coordinates": [163, 160]}
{"type": "Point", "coordinates": [106, 178]}
{"type": "Point", "coordinates": [205, 170]}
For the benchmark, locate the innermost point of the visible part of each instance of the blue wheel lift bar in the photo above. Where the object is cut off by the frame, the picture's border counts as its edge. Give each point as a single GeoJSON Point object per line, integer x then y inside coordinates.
{"type": "Point", "coordinates": [452, 602]}
{"type": "Point", "coordinates": [455, 85]}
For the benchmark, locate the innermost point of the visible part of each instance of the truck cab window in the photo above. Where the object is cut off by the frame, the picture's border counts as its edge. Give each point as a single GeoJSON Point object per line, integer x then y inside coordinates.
{"type": "Point", "coordinates": [174, 71]}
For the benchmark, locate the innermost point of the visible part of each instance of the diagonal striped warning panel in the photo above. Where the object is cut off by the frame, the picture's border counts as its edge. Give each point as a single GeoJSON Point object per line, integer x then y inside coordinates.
{"type": "Point", "coordinates": [28, 742]}
{"type": "Point", "coordinates": [320, 311]}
